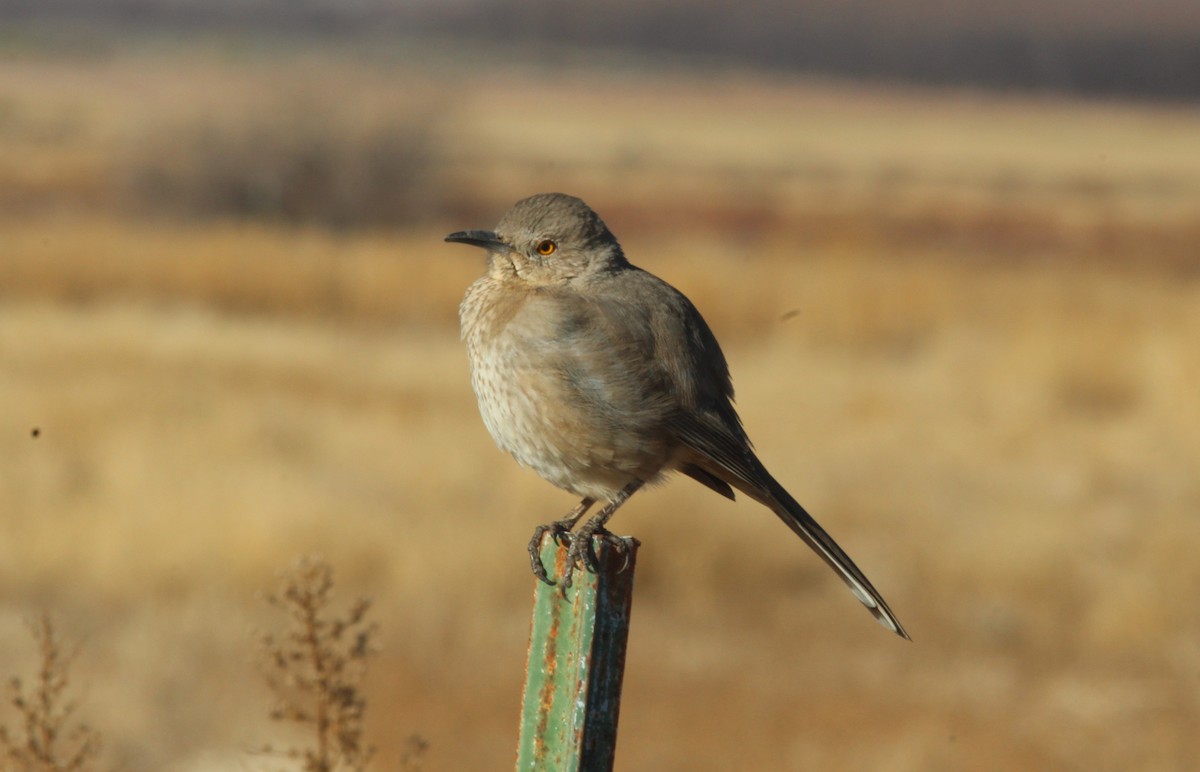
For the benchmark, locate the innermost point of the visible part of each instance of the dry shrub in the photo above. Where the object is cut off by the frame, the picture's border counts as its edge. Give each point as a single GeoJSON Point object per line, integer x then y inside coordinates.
{"type": "Point", "coordinates": [46, 741]}
{"type": "Point", "coordinates": [316, 667]}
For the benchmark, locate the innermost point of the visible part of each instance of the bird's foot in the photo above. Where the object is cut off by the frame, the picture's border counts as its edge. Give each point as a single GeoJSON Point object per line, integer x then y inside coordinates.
{"type": "Point", "coordinates": [561, 531]}
{"type": "Point", "coordinates": [582, 550]}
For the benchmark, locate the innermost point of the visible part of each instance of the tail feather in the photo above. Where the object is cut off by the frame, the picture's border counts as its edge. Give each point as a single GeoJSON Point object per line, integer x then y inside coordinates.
{"type": "Point", "coordinates": [808, 529]}
{"type": "Point", "coordinates": [720, 450]}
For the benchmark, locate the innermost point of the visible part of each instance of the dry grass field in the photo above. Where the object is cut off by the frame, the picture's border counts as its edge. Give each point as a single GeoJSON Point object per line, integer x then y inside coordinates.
{"type": "Point", "coordinates": [963, 331]}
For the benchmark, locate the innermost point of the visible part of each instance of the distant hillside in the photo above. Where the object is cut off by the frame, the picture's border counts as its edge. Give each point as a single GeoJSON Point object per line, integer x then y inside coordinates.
{"type": "Point", "coordinates": [1149, 49]}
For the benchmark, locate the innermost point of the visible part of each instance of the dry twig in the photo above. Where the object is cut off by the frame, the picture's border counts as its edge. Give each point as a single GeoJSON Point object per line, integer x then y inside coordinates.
{"type": "Point", "coordinates": [45, 741]}
{"type": "Point", "coordinates": [316, 666]}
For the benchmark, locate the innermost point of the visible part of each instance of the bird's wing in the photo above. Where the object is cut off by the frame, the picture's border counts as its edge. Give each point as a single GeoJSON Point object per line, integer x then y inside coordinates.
{"type": "Point", "coordinates": [601, 349]}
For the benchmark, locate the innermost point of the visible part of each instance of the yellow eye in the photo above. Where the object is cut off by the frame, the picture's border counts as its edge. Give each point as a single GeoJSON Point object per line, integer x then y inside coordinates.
{"type": "Point", "coordinates": [546, 247]}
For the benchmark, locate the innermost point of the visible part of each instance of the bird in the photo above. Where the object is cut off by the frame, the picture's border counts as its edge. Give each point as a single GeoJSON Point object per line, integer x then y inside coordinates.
{"type": "Point", "coordinates": [602, 378]}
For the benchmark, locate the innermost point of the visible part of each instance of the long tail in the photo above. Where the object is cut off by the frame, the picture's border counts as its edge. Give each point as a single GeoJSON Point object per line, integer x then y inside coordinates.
{"type": "Point", "coordinates": [720, 456]}
{"type": "Point", "coordinates": [790, 512]}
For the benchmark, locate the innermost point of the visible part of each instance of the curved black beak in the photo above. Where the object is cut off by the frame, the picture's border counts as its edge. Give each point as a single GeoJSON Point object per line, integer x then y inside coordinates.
{"type": "Point", "coordinates": [485, 239]}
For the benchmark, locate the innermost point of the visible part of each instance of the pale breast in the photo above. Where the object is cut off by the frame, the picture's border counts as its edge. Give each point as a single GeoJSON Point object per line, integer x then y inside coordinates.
{"type": "Point", "coordinates": [529, 404]}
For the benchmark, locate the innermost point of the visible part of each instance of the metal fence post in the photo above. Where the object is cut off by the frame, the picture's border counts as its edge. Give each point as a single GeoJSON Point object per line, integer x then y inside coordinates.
{"type": "Point", "coordinates": [576, 662]}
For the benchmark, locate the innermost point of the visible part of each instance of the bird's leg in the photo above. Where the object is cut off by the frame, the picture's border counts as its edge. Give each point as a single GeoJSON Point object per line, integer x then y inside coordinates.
{"type": "Point", "coordinates": [582, 552]}
{"type": "Point", "coordinates": [561, 530]}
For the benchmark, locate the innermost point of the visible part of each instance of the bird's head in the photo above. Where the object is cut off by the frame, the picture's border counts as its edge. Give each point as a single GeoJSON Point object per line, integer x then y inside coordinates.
{"type": "Point", "coordinates": [548, 238]}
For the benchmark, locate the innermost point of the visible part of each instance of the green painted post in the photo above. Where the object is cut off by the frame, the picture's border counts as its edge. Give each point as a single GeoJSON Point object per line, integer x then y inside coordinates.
{"type": "Point", "coordinates": [576, 661]}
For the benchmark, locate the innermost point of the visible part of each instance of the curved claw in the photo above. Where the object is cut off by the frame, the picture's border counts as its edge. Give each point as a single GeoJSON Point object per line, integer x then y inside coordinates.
{"type": "Point", "coordinates": [535, 548]}
{"type": "Point", "coordinates": [620, 544]}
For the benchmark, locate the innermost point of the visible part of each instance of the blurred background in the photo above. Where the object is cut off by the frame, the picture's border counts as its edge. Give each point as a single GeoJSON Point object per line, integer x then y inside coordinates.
{"type": "Point", "coordinates": [950, 248]}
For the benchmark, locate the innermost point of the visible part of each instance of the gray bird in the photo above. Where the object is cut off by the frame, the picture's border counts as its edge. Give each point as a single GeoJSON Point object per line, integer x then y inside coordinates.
{"type": "Point", "coordinates": [602, 378]}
